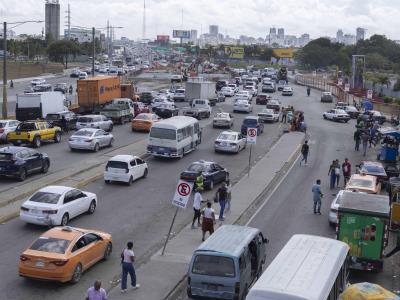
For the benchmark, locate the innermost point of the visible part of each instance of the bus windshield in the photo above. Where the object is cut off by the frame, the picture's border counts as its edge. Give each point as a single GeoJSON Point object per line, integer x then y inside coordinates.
{"type": "Point", "coordinates": [163, 133]}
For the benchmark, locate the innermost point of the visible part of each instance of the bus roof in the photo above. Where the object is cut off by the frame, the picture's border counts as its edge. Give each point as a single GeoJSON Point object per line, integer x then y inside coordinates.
{"type": "Point", "coordinates": [229, 240]}
{"type": "Point", "coordinates": [175, 122]}
{"type": "Point", "coordinates": [305, 269]}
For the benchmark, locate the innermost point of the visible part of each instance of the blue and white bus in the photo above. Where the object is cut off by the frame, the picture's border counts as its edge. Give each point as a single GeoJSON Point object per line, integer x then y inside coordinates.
{"type": "Point", "coordinates": [174, 137]}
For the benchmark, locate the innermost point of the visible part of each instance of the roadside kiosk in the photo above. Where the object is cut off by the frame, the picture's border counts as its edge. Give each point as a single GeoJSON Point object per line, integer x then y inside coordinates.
{"type": "Point", "coordinates": [363, 225]}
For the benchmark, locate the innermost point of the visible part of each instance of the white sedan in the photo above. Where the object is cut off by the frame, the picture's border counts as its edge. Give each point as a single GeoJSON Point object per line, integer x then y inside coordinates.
{"type": "Point", "coordinates": [156, 102]}
{"type": "Point", "coordinates": [242, 106]}
{"type": "Point", "coordinates": [223, 119]}
{"type": "Point", "coordinates": [244, 95]}
{"type": "Point", "coordinates": [56, 205]}
{"type": "Point", "coordinates": [287, 91]}
{"type": "Point", "coordinates": [337, 115]}
{"type": "Point", "coordinates": [230, 141]}
{"type": "Point", "coordinates": [90, 139]}
{"type": "Point", "coordinates": [125, 168]}
{"type": "Point", "coordinates": [268, 115]}
{"type": "Point", "coordinates": [37, 81]}
{"type": "Point", "coordinates": [228, 91]}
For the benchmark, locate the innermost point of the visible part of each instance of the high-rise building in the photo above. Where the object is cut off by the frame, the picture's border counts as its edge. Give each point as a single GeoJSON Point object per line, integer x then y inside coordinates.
{"type": "Point", "coordinates": [214, 30]}
{"type": "Point", "coordinates": [52, 19]}
{"type": "Point", "coordinates": [193, 35]}
{"type": "Point", "coordinates": [281, 33]}
{"type": "Point", "coordinates": [360, 34]}
{"type": "Point", "coordinates": [272, 31]}
{"type": "Point", "coordinates": [339, 36]}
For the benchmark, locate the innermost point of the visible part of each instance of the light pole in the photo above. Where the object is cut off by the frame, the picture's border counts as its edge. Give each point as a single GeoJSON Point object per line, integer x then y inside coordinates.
{"type": "Point", "coordinates": [5, 104]}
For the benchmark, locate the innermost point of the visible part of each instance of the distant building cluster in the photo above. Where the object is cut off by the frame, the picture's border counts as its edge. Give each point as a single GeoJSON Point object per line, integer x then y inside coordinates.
{"type": "Point", "coordinates": [349, 39]}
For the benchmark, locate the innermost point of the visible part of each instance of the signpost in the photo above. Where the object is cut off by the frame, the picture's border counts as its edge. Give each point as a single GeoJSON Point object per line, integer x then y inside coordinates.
{"type": "Point", "coordinates": [251, 140]}
{"type": "Point", "coordinates": [180, 200]}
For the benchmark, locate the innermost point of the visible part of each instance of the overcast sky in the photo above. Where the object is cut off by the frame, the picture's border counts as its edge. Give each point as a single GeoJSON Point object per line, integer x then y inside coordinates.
{"type": "Point", "coordinates": [234, 17]}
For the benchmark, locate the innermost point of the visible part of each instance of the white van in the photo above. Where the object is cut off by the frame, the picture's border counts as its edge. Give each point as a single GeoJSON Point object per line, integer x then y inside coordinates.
{"type": "Point", "coordinates": [174, 137]}
{"type": "Point", "coordinates": [125, 168]}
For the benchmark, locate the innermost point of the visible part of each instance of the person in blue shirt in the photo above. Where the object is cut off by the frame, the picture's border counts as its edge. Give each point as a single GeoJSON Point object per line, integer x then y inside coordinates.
{"type": "Point", "coordinates": [317, 196]}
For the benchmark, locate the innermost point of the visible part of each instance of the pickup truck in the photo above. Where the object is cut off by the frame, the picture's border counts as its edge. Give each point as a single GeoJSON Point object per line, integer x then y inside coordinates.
{"type": "Point", "coordinates": [199, 109]}
{"type": "Point", "coordinates": [118, 113]}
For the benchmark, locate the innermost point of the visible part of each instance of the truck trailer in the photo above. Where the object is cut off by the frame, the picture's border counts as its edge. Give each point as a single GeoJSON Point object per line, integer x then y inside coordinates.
{"type": "Point", "coordinates": [196, 88]}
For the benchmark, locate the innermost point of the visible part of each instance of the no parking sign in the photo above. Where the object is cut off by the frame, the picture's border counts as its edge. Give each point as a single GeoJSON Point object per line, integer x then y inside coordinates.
{"type": "Point", "coordinates": [251, 136]}
{"type": "Point", "coordinates": [182, 193]}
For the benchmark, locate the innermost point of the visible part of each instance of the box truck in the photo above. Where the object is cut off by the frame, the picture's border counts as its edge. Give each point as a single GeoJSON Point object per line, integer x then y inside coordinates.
{"type": "Point", "coordinates": [37, 105]}
{"type": "Point", "coordinates": [94, 92]}
{"type": "Point", "coordinates": [197, 88]}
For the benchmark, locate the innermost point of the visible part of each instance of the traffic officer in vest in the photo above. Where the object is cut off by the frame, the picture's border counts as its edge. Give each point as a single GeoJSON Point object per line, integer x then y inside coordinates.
{"type": "Point", "coordinates": [200, 182]}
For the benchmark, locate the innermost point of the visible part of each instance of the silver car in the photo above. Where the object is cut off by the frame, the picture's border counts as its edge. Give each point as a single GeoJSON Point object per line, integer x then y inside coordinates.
{"type": "Point", "coordinates": [94, 121]}
{"type": "Point", "coordinates": [7, 126]}
{"type": "Point", "coordinates": [230, 141]}
{"type": "Point", "coordinates": [90, 139]}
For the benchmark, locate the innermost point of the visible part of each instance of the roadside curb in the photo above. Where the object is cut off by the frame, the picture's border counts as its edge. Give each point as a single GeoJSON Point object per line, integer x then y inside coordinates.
{"type": "Point", "coordinates": [248, 212]}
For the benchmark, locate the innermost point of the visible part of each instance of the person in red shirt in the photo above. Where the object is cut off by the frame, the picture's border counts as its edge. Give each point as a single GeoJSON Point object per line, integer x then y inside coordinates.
{"type": "Point", "coordinates": [346, 168]}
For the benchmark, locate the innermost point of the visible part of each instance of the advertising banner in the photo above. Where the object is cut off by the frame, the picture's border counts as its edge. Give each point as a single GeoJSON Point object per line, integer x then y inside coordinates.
{"type": "Point", "coordinates": [184, 34]}
{"type": "Point", "coordinates": [234, 52]}
{"type": "Point", "coordinates": [283, 52]}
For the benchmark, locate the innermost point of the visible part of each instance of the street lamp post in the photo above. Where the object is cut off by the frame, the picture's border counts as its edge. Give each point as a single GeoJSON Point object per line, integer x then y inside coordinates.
{"type": "Point", "coordinates": [5, 100]}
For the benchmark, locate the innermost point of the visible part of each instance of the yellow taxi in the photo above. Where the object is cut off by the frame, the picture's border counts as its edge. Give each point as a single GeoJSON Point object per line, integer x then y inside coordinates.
{"type": "Point", "coordinates": [144, 121]}
{"type": "Point", "coordinates": [64, 253]}
{"type": "Point", "coordinates": [364, 183]}
{"type": "Point", "coordinates": [33, 133]}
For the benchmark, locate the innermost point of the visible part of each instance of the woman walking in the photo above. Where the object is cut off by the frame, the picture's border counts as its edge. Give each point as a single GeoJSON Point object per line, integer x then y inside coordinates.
{"type": "Point", "coordinates": [208, 220]}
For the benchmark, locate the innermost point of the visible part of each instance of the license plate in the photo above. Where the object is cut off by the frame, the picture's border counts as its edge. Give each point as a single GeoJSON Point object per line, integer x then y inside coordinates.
{"type": "Point", "coordinates": [35, 211]}
{"type": "Point", "coordinates": [212, 287]}
{"type": "Point", "coordinates": [161, 149]}
{"type": "Point", "coordinates": [19, 141]}
{"type": "Point", "coordinates": [224, 144]}
{"type": "Point", "coordinates": [39, 264]}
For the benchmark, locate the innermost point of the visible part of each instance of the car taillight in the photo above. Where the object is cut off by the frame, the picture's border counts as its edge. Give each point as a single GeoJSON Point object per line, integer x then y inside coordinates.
{"type": "Point", "coordinates": [237, 288]}
{"type": "Point", "coordinates": [88, 140]}
{"type": "Point", "coordinates": [24, 208]}
{"type": "Point", "coordinates": [60, 263]}
{"type": "Point", "coordinates": [23, 258]}
{"type": "Point", "coordinates": [188, 280]}
{"type": "Point", "coordinates": [50, 211]}
{"type": "Point", "coordinates": [1, 130]}
{"type": "Point", "coordinates": [217, 143]}
{"type": "Point", "coordinates": [232, 144]}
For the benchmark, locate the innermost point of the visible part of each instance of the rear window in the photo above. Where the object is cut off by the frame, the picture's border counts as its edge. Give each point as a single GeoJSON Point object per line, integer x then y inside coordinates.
{"type": "Point", "coordinates": [83, 133]}
{"type": "Point", "coordinates": [227, 137]}
{"type": "Point", "coordinates": [26, 127]}
{"type": "Point", "coordinates": [117, 164]}
{"type": "Point", "coordinates": [52, 245]}
{"type": "Point", "coordinates": [52, 116]}
{"type": "Point", "coordinates": [364, 183]}
{"type": "Point", "coordinates": [196, 168]}
{"type": "Point", "coordinates": [163, 133]}
{"type": "Point", "coordinates": [249, 122]}
{"type": "Point", "coordinates": [6, 156]}
{"type": "Point", "coordinates": [214, 266]}
{"type": "Point", "coordinates": [85, 120]}
{"type": "Point", "coordinates": [45, 197]}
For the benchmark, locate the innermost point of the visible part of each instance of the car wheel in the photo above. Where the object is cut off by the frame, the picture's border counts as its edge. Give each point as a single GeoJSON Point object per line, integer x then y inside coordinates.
{"type": "Point", "coordinates": [110, 128]}
{"type": "Point", "coordinates": [111, 143]}
{"type": "Point", "coordinates": [145, 173]}
{"type": "Point", "coordinates": [130, 180]}
{"type": "Point", "coordinates": [57, 137]}
{"type": "Point", "coordinates": [107, 251]}
{"type": "Point", "coordinates": [107, 181]}
{"type": "Point", "coordinates": [334, 119]}
{"type": "Point", "coordinates": [36, 142]}
{"type": "Point", "coordinates": [211, 185]}
{"type": "Point", "coordinates": [76, 276]}
{"type": "Point", "coordinates": [324, 117]}
{"type": "Point", "coordinates": [92, 207]}
{"type": "Point", "coordinates": [45, 166]}
{"type": "Point", "coordinates": [214, 126]}
{"type": "Point", "coordinates": [22, 174]}
{"type": "Point", "coordinates": [96, 147]}
{"type": "Point", "coordinates": [64, 220]}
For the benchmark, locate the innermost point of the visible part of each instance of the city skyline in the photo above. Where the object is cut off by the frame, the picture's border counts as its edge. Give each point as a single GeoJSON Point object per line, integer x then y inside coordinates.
{"type": "Point", "coordinates": [164, 16]}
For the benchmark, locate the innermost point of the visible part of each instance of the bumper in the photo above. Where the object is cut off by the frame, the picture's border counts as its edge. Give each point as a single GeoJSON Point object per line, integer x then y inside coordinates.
{"type": "Point", "coordinates": [39, 220]}
{"type": "Point", "coordinates": [287, 94]}
{"type": "Point", "coordinates": [200, 292]}
{"type": "Point", "coordinates": [226, 148]}
{"type": "Point", "coordinates": [61, 275]}
{"type": "Point", "coordinates": [267, 118]}
{"type": "Point", "coordinates": [221, 124]}
{"type": "Point", "coordinates": [241, 109]}
{"type": "Point", "coordinates": [332, 217]}
{"type": "Point", "coordinates": [81, 146]}
{"type": "Point", "coordinates": [117, 177]}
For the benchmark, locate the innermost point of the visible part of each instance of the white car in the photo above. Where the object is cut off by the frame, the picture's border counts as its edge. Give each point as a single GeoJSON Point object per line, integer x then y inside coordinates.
{"type": "Point", "coordinates": [227, 91]}
{"type": "Point", "coordinates": [268, 115]}
{"type": "Point", "coordinates": [90, 139]}
{"type": "Point", "coordinates": [234, 87]}
{"type": "Point", "coordinates": [252, 89]}
{"type": "Point", "coordinates": [287, 91]}
{"type": "Point", "coordinates": [243, 95]}
{"type": "Point", "coordinates": [36, 81]}
{"type": "Point", "coordinates": [156, 102]}
{"type": "Point", "coordinates": [166, 93]}
{"type": "Point", "coordinates": [223, 119]}
{"type": "Point", "coordinates": [56, 205]}
{"type": "Point", "coordinates": [337, 115]}
{"type": "Point", "coordinates": [82, 75]}
{"type": "Point", "coordinates": [7, 126]}
{"type": "Point", "coordinates": [242, 106]}
{"type": "Point", "coordinates": [125, 168]}
{"type": "Point", "coordinates": [179, 95]}
{"type": "Point", "coordinates": [230, 141]}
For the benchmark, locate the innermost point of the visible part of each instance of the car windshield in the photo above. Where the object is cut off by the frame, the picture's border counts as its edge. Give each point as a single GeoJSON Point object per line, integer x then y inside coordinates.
{"type": "Point", "coordinates": [196, 167]}
{"type": "Point", "coordinates": [340, 111]}
{"type": "Point", "coordinates": [227, 137]}
{"type": "Point", "coordinates": [83, 133]}
{"type": "Point", "coordinates": [85, 120]}
{"type": "Point", "coordinates": [51, 245]}
{"type": "Point", "coordinates": [142, 117]}
{"type": "Point", "coordinates": [163, 133]}
{"type": "Point", "coordinates": [26, 127]}
{"type": "Point", "coordinates": [250, 122]}
{"type": "Point", "coordinates": [211, 265]}
{"type": "Point", "coordinates": [364, 183]}
{"type": "Point", "coordinates": [374, 169]}
{"type": "Point", "coordinates": [45, 197]}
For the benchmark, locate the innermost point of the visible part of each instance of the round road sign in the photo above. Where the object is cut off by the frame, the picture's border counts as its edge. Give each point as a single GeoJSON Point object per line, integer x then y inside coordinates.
{"type": "Point", "coordinates": [183, 189]}
{"type": "Point", "coordinates": [252, 132]}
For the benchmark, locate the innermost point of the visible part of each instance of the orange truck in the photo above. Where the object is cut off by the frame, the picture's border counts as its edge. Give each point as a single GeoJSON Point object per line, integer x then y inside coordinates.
{"type": "Point", "coordinates": [94, 92]}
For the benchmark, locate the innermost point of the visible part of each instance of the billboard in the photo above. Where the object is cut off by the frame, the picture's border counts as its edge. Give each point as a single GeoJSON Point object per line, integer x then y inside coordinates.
{"type": "Point", "coordinates": [183, 34]}
{"type": "Point", "coordinates": [162, 38]}
{"type": "Point", "coordinates": [234, 52]}
{"type": "Point", "coordinates": [283, 52]}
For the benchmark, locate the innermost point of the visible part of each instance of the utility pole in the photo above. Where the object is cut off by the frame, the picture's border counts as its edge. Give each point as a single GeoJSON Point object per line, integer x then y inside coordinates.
{"type": "Point", "coordinates": [93, 50]}
{"type": "Point", "coordinates": [144, 21]}
{"type": "Point", "coordinates": [68, 17]}
{"type": "Point", "coordinates": [4, 107]}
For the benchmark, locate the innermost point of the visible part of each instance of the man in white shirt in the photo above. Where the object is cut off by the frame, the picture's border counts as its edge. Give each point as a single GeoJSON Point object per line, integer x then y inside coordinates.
{"type": "Point", "coordinates": [196, 207]}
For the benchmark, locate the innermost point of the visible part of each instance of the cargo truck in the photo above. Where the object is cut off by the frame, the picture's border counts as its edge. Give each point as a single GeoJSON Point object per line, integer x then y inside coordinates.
{"type": "Point", "coordinates": [363, 225]}
{"type": "Point", "coordinates": [196, 88]}
{"type": "Point", "coordinates": [95, 92]}
{"type": "Point", "coordinates": [35, 106]}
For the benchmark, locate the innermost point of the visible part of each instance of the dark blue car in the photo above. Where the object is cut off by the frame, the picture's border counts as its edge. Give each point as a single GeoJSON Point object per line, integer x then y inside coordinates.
{"type": "Point", "coordinates": [18, 162]}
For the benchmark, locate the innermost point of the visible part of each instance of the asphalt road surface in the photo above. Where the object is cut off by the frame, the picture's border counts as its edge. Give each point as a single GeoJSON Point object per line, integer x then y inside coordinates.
{"type": "Point", "coordinates": [141, 212]}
